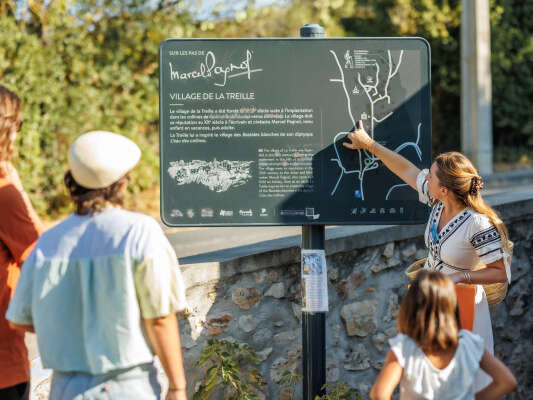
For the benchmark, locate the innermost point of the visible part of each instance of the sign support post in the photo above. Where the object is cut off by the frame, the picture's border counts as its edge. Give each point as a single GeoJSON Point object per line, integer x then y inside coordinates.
{"type": "Point", "coordinates": [313, 327]}
{"type": "Point", "coordinates": [313, 324]}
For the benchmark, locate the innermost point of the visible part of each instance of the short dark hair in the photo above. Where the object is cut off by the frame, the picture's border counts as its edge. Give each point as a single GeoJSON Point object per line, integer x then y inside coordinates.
{"type": "Point", "coordinates": [89, 201]}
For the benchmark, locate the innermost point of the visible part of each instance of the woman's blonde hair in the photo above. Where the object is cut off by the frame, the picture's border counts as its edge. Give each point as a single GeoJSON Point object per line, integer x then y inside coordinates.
{"type": "Point", "coordinates": [10, 113]}
{"type": "Point", "coordinates": [458, 174]}
{"type": "Point", "coordinates": [428, 312]}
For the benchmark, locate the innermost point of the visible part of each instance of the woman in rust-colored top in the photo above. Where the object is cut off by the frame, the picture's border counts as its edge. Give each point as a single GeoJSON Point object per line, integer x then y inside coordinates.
{"type": "Point", "coordinates": [19, 229]}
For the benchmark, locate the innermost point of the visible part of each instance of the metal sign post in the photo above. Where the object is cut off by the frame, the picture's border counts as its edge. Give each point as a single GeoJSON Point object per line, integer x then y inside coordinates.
{"type": "Point", "coordinates": [313, 328]}
{"type": "Point", "coordinates": [313, 324]}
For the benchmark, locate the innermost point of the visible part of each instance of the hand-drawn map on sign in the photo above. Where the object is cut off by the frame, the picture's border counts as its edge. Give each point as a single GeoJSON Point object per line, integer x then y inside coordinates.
{"type": "Point", "coordinates": [252, 130]}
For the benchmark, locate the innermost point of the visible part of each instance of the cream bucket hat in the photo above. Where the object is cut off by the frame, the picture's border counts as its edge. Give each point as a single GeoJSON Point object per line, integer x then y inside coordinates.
{"type": "Point", "coordinates": [97, 159]}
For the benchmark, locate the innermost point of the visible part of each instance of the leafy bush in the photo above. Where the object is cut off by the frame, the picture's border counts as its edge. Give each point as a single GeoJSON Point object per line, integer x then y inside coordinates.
{"type": "Point", "coordinates": [225, 362]}
{"type": "Point", "coordinates": [290, 380]}
{"type": "Point", "coordinates": [80, 66]}
{"type": "Point", "coordinates": [512, 73]}
{"type": "Point", "coordinates": [339, 391]}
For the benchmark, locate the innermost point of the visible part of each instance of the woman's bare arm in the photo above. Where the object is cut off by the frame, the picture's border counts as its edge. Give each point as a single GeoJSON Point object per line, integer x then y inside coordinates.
{"type": "Point", "coordinates": [398, 164]}
{"type": "Point", "coordinates": [494, 273]}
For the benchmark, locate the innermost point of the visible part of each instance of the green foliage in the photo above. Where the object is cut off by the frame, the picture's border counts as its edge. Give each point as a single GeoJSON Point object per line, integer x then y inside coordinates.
{"type": "Point", "coordinates": [339, 391]}
{"type": "Point", "coordinates": [224, 362]}
{"type": "Point", "coordinates": [80, 66]}
{"type": "Point", "coordinates": [290, 380]}
{"type": "Point", "coordinates": [512, 72]}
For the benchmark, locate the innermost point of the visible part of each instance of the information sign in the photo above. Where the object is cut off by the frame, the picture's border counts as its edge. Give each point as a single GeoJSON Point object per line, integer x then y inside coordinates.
{"type": "Point", "coordinates": [251, 130]}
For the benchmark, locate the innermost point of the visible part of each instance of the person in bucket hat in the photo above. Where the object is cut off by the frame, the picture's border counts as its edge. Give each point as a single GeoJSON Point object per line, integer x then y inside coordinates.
{"type": "Point", "coordinates": [102, 287]}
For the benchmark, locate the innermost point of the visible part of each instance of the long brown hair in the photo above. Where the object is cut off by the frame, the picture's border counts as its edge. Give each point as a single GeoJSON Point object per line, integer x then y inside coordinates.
{"type": "Point", "coordinates": [428, 312]}
{"type": "Point", "coordinates": [10, 112]}
{"type": "Point", "coordinates": [458, 174]}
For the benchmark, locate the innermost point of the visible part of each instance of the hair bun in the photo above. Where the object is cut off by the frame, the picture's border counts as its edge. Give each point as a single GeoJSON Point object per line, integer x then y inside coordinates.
{"type": "Point", "coordinates": [476, 185]}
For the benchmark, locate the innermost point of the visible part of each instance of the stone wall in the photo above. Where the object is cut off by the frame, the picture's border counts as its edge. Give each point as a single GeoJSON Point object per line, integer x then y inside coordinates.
{"type": "Point", "coordinates": [256, 300]}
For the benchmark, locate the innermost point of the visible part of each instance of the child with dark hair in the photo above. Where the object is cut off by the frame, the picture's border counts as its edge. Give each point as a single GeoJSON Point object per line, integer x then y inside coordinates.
{"type": "Point", "coordinates": [431, 357]}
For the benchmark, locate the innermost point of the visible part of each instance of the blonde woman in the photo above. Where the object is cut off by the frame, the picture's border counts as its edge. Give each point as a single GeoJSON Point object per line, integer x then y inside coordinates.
{"type": "Point", "coordinates": [19, 229]}
{"type": "Point", "coordinates": [462, 229]}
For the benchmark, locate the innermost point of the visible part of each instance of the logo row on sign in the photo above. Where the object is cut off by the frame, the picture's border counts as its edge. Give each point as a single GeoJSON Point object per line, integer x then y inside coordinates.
{"type": "Point", "coordinates": [209, 213]}
{"type": "Point", "coordinates": [309, 212]}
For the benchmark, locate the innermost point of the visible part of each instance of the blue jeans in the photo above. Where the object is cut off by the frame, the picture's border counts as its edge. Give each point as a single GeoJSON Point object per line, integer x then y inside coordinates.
{"type": "Point", "coordinates": [139, 382]}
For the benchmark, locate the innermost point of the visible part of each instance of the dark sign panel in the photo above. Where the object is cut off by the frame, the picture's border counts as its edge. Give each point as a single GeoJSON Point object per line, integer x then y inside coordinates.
{"type": "Point", "coordinates": [252, 130]}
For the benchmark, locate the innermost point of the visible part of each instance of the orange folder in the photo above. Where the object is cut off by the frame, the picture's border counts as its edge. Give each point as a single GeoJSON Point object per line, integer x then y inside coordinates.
{"type": "Point", "coordinates": [466, 295]}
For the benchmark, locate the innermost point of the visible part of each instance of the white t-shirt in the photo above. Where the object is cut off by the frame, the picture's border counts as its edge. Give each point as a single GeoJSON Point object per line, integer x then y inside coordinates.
{"type": "Point", "coordinates": [422, 380]}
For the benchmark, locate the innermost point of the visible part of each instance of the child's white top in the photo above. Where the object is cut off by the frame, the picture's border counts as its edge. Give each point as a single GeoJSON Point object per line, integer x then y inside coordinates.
{"type": "Point", "coordinates": [422, 380]}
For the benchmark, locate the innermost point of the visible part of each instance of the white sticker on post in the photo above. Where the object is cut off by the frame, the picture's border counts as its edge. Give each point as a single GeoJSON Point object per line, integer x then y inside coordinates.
{"type": "Point", "coordinates": [314, 281]}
